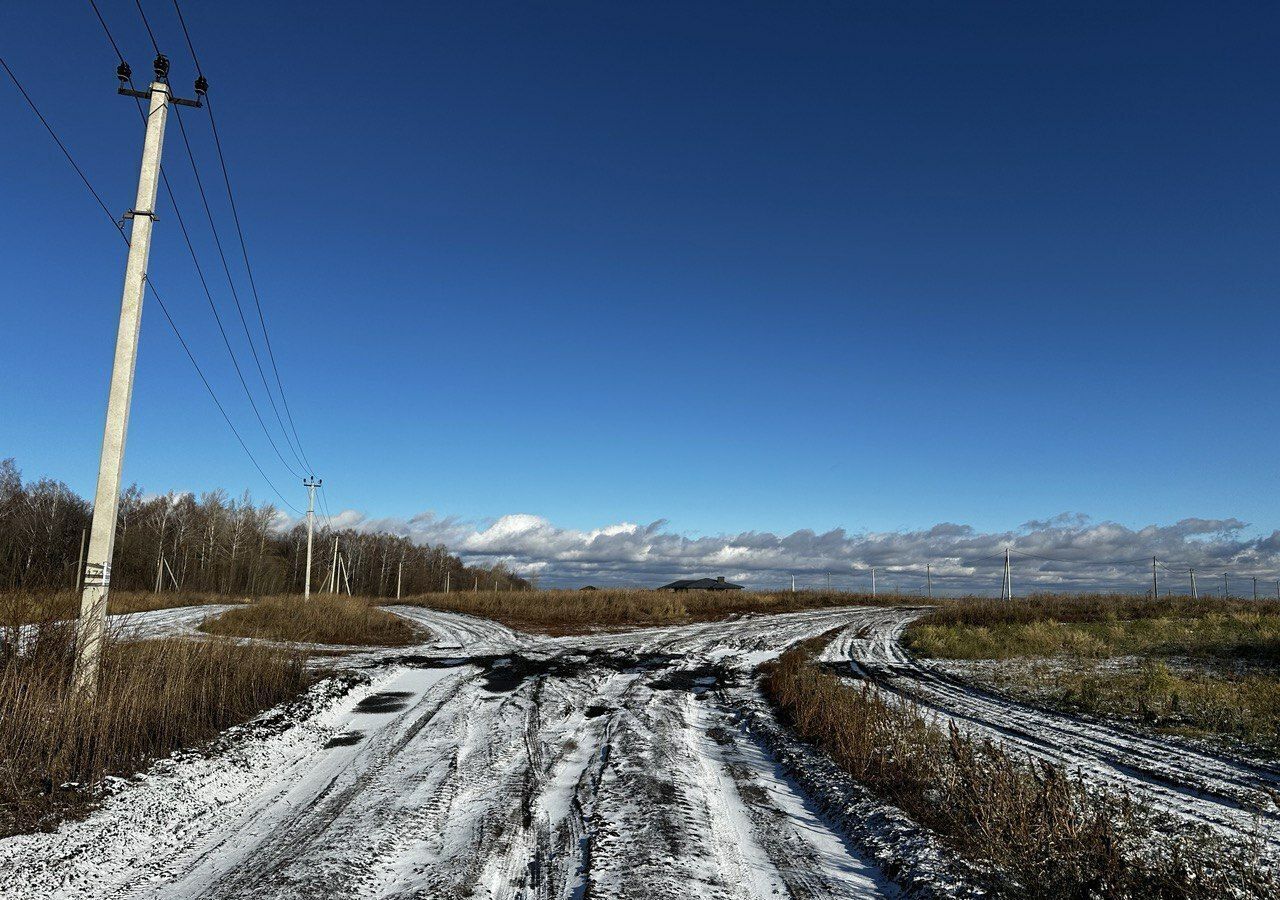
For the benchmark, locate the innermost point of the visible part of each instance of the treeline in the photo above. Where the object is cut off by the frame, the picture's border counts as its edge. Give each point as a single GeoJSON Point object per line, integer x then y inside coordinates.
{"type": "Point", "coordinates": [214, 544]}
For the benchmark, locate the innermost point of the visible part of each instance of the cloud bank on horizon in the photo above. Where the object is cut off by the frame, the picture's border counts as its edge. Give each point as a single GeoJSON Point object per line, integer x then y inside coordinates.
{"type": "Point", "coordinates": [1066, 552]}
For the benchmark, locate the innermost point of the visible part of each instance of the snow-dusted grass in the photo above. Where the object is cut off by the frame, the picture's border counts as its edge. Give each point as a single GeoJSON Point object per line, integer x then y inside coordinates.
{"type": "Point", "coordinates": [1224, 681]}
{"type": "Point", "coordinates": [577, 612]}
{"type": "Point", "coordinates": [26, 609]}
{"type": "Point", "coordinates": [155, 696]}
{"type": "Point", "coordinates": [321, 620]}
{"type": "Point", "coordinates": [1099, 626]}
{"type": "Point", "coordinates": [1032, 828]}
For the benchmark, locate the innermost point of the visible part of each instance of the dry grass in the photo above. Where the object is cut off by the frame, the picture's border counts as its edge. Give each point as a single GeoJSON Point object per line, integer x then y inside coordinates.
{"type": "Point", "coordinates": [155, 697]}
{"type": "Point", "coordinates": [323, 619]}
{"type": "Point", "coordinates": [1097, 627]}
{"type": "Point", "coordinates": [1239, 710]}
{"type": "Point", "coordinates": [22, 608]}
{"type": "Point", "coordinates": [575, 612]}
{"type": "Point", "coordinates": [1031, 829]}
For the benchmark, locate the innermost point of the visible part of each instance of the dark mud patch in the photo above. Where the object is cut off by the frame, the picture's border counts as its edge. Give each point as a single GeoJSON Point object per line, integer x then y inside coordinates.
{"type": "Point", "coordinates": [384, 702]}
{"type": "Point", "coordinates": [345, 739]}
{"type": "Point", "coordinates": [698, 680]}
{"type": "Point", "coordinates": [503, 674]}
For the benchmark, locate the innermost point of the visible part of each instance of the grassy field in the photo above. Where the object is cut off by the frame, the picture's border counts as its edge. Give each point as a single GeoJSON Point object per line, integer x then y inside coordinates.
{"type": "Point", "coordinates": [570, 612]}
{"type": "Point", "coordinates": [323, 619]}
{"type": "Point", "coordinates": [1208, 668]}
{"type": "Point", "coordinates": [1031, 829]}
{"type": "Point", "coordinates": [155, 697]}
{"type": "Point", "coordinates": [1099, 626]}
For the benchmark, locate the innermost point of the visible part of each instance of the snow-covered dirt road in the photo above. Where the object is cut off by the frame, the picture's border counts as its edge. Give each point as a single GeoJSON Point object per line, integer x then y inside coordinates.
{"type": "Point", "coordinates": [1236, 797]}
{"type": "Point", "coordinates": [485, 763]}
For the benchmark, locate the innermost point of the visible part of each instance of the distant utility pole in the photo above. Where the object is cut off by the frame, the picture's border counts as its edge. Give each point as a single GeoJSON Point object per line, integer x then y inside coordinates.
{"type": "Point", "coordinates": [1006, 586]}
{"type": "Point", "coordinates": [873, 581]}
{"type": "Point", "coordinates": [1194, 593]}
{"type": "Point", "coordinates": [1226, 591]}
{"type": "Point", "coordinates": [928, 579]}
{"type": "Point", "coordinates": [97, 574]}
{"type": "Point", "coordinates": [1255, 587]}
{"type": "Point", "coordinates": [311, 484]}
{"type": "Point", "coordinates": [1155, 584]}
{"type": "Point", "coordinates": [399, 574]}
{"type": "Point", "coordinates": [793, 584]}
{"type": "Point", "coordinates": [446, 581]}
{"type": "Point", "coordinates": [333, 584]}
{"type": "Point", "coordinates": [828, 582]}
{"type": "Point", "coordinates": [84, 534]}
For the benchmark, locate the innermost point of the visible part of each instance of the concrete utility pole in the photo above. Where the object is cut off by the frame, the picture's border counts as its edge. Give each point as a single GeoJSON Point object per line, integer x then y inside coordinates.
{"type": "Point", "coordinates": [1255, 588]}
{"type": "Point", "coordinates": [1155, 584]}
{"type": "Point", "coordinates": [333, 584]}
{"type": "Point", "coordinates": [84, 536]}
{"type": "Point", "coordinates": [446, 581]}
{"type": "Point", "coordinates": [1006, 588]}
{"type": "Point", "coordinates": [793, 584]}
{"type": "Point", "coordinates": [97, 573]}
{"type": "Point", "coordinates": [828, 582]}
{"type": "Point", "coordinates": [873, 581]}
{"type": "Point", "coordinates": [399, 574]}
{"type": "Point", "coordinates": [1194, 594]}
{"type": "Point", "coordinates": [311, 484]}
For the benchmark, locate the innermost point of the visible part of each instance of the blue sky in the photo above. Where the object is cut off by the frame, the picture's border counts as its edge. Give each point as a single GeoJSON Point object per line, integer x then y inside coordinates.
{"type": "Point", "coordinates": [738, 266]}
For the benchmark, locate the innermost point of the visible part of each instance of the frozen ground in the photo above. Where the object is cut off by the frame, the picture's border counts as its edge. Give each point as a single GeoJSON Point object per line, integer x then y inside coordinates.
{"type": "Point", "coordinates": [1235, 797]}
{"type": "Point", "coordinates": [495, 764]}
{"type": "Point", "coordinates": [486, 763]}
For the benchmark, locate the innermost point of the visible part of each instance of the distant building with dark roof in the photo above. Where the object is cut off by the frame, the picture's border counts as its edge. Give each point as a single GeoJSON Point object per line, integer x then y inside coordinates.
{"type": "Point", "coordinates": [701, 584]}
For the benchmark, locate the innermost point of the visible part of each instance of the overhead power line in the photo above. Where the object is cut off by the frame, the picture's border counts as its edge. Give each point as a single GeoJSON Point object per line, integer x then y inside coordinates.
{"type": "Point", "coordinates": [159, 300]}
{"type": "Point", "coordinates": [199, 269]}
{"type": "Point", "coordinates": [244, 248]}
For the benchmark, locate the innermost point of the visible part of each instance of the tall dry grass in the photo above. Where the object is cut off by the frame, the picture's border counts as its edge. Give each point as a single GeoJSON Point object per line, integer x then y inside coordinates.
{"type": "Point", "coordinates": [567, 612]}
{"type": "Point", "coordinates": [323, 619]}
{"type": "Point", "coordinates": [21, 608]}
{"type": "Point", "coordinates": [1031, 829]}
{"type": "Point", "coordinates": [1100, 626]}
{"type": "Point", "coordinates": [154, 697]}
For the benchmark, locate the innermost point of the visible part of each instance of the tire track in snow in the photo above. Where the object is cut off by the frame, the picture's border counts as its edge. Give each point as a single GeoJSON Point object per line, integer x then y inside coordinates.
{"type": "Point", "coordinates": [1232, 796]}
{"type": "Point", "coordinates": [569, 768]}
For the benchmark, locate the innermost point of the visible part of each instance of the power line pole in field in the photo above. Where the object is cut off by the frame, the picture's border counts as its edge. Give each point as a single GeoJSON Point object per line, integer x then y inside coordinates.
{"type": "Point", "coordinates": [1006, 586]}
{"type": "Point", "coordinates": [928, 579]}
{"type": "Point", "coordinates": [311, 484]}
{"type": "Point", "coordinates": [1155, 584]}
{"type": "Point", "coordinates": [97, 574]}
{"type": "Point", "coordinates": [1194, 594]}
{"type": "Point", "coordinates": [873, 581]}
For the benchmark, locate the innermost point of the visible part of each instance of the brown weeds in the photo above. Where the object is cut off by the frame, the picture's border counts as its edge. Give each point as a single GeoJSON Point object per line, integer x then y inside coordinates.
{"type": "Point", "coordinates": [154, 697]}
{"type": "Point", "coordinates": [323, 619]}
{"type": "Point", "coordinates": [1035, 831]}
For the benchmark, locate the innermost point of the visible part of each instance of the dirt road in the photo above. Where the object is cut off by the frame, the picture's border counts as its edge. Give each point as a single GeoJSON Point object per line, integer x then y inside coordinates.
{"type": "Point", "coordinates": [494, 764]}
{"type": "Point", "coordinates": [487, 764]}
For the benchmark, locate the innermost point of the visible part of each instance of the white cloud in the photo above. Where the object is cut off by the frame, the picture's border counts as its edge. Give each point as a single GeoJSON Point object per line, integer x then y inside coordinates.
{"type": "Point", "coordinates": [1067, 551]}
